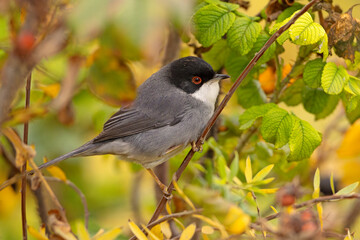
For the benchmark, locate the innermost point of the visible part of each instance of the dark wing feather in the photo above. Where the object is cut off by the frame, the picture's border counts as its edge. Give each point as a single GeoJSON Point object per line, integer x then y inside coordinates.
{"type": "Point", "coordinates": [130, 121]}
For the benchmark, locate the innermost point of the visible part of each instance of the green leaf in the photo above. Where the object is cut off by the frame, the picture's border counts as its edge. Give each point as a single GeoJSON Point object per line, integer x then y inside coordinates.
{"type": "Point", "coordinates": [221, 164]}
{"type": "Point", "coordinates": [248, 170]}
{"type": "Point", "coordinates": [211, 23]}
{"type": "Point", "coordinates": [353, 86]}
{"type": "Point", "coordinates": [304, 139]}
{"type": "Point", "coordinates": [217, 55]}
{"type": "Point", "coordinates": [314, 99]}
{"type": "Point", "coordinates": [263, 173]}
{"type": "Point", "coordinates": [324, 47]}
{"type": "Point", "coordinates": [276, 127]}
{"type": "Point", "coordinates": [352, 103]}
{"type": "Point", "coordinates": [305, 31]}
{"type": "Point", "coordinates": [243, 34]}
{"type": "Point", "coordinates": [312, 72]}
{"type": "Point", "coordinates": [235, 64]}
{"type": "Point", "coordinates": [292, 95]}
{"type": "Point", "coordinates": [333, 78]}
{"type": "Point", "coordinates": [251, 94]}
{"type": "Point", "coordinates": [260, 42]}
{"type": "Point", "coordinates": [250, 115]}
{"type": "Point", "coordinates": [234, 167]}
{"type": "Point", "coordinates": [348, 189]}
{"type": "Point", "coordinates": [332, 102]}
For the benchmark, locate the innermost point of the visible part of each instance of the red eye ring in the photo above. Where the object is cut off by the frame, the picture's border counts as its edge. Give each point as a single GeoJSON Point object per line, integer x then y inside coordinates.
{"type": "Point", "coordinates": [196, 80]}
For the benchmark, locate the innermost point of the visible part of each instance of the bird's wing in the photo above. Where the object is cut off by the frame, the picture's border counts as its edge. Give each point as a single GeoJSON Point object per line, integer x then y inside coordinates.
{"type": "Point", "coordinates": [130, 121]}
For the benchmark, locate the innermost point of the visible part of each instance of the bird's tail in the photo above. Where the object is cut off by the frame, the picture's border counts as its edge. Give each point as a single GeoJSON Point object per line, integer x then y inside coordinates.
{"type": "Point", "coordinates": [81, 151]}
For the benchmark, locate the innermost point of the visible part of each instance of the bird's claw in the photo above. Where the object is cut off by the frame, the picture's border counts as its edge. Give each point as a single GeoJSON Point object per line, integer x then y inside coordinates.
{"type": "Point", "coordinates": [196, 148]}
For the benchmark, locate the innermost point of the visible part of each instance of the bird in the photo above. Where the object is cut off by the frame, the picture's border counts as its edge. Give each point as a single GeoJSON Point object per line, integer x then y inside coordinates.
{"type": "Point", "coordinates": [170, 112]}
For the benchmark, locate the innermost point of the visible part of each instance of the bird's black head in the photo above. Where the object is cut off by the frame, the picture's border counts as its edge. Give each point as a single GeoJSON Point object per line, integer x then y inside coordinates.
{"type": "Point", "coordinates": [190, 73]}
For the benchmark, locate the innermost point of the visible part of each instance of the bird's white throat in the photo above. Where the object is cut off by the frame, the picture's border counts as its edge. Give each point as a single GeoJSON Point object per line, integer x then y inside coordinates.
{"type": "Point", "coordinates": [208, 92]}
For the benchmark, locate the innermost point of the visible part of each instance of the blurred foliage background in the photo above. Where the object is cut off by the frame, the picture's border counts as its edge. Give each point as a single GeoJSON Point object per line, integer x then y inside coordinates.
{"type": "Point", "coordinates": [111, 47]}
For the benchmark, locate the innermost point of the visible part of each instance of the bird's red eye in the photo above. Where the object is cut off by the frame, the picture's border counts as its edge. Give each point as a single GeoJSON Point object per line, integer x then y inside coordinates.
{"type": "Point", "coordinates": [197, 80]}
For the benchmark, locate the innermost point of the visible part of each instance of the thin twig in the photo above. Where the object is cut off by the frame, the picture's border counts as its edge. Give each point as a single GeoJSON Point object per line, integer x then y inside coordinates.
{"type": "Point", "coordinates": [172, 216]}
{"type": "Point", "coordinates": [258, 212]}
{"type": "Point", "coordinates": [222, 105]}
{"type": "Point", "coordinates": [79, 192]}
{"type": "Point", "coordinates": [23, 168]}
{"type": "Point", "coordinates": [316, 200]}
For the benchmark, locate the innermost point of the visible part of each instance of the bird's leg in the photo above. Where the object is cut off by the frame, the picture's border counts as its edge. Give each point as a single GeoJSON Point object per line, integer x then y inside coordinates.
{"type": "Point", "coordinates": [195, 148]}
{"type": "Point", "coordinates": [162, 186]}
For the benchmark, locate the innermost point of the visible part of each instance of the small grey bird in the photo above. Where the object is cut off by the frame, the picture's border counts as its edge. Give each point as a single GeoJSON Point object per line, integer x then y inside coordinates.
{"type": "Point", "coordinates": [171, 110]}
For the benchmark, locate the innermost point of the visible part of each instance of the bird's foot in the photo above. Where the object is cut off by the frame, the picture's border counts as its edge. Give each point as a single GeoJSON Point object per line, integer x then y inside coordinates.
{"type": "Point", "coordinates": [162, 186]}
{"type": "Point", "coordinates": [195, 148]}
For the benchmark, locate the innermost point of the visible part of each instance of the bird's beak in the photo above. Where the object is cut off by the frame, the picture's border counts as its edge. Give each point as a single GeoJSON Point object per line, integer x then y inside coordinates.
{"type": "Point", "coordinates": [219, 77]}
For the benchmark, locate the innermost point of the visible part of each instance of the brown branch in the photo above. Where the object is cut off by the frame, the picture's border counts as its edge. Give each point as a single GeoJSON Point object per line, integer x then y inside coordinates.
{"type": "Point", "coordinates": [222, 105]}
{"type": "Point", "coordinates": [316, 200]}
{"type": "Point", "coordinates": [23, 168]}
{"type": "Point", "coordinates": [79, 192]}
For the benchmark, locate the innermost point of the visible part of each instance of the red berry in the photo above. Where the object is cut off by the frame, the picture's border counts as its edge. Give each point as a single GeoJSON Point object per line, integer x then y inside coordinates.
{"type": "Point", "coordinates": [25, 42]}
{"type": "Point", "coordinates": [287, 200]}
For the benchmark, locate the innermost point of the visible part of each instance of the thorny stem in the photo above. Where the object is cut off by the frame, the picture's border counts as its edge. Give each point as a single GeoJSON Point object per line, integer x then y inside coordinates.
{"type": "Point", "coordinates": [23, 168]}
{"type": "Point", "coordinates": [222, 105]}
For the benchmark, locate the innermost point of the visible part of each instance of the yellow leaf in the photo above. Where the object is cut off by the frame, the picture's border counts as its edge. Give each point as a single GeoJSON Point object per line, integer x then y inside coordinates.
{"type": "Point", "coordinates": [81, 231]}
{"type": "Point", "coordinates": [182, 194]}
{"type": "Point", "coordinates": [320, 210]}
{"type": "Point", "coordinates": [168, 208]}
{"type": "Point", "coordinates": [269, 190]}
{"type": "Point", "coordinates": [51, 90]}
{"type": "Point", "coordinates": [188, 232]}
{"type": "Point", "coordinates": [156, 230]}
{"type": "Point", "coordinates": [57, 172]}
{"type": "Point", "coordinates": [213, 223]}
{"type": "Point", "coordinates": [150, 233]}
{"type": "Point", "coordinates": [316, 192]}
{"type": "Point", "coordinates": [137, 231]}
{"type": "Point", "coordinates": [165, 229]}
{"type": "Point", "coordinates": [207, 230]}
{"type": "Point", "coordinates": [248, 171]}
{"type": "Point", "coordinates": [109, 235]}
{"type": "Point", "coordinates": [274, 209]}
{"type": "Point", "coordinates": [349, 147]}
{"type": "Point", "coordinates": [236, 221]}
{"type": "Point", "coordinates": [263, 173]}
{"type": "Point", "coordinates": [39, 235]}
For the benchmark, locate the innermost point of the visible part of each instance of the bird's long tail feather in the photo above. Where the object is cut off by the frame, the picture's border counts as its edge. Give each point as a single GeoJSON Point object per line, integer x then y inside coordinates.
{"type": "Point", "coordinates": [81, 151]}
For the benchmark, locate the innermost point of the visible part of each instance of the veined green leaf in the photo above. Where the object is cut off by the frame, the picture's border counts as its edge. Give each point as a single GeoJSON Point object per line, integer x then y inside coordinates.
{"type": "Point", "coordinates": [303, 140]}
{"type": "Point", "coordinates": [333, 78]}
{"type": "Point", "coordinates": [348, 189]}
{"type": "Point", "coordinates": [312, 72]}
{"type": "Point", "coordinates": [352, 103]}
{"type": "Point", "coordinates": [353, 86]}
{"type": "Point", "coordinates": [217, 54]}
{"type": "Point", "coordinates": [314, 99]}
{"type": "Point", "coordinates": [243, 34]}
{"type": "Point", "coordinates": [229, 6]}
{"type": "Point", "coordinates": [250, 115]}
{"type": "Point", "coordinates": [260, 42]}
{"type": "Point", "coordinates": [251, 94]}
{"type": "Point", "coordinates": [276, 127]}
{"type": "Point", "coordinates": [211, 23]}
{"type": "Point", "coordinates": [305, 31]}
{"type": "Point", "coordinates": [332, 102]}
{"type": "Point", "coordinates": [288, 12]}
{"type": "Point", "coordinates": [263, 173]}
{"type": "Point", "coordinates": [235, 64]}
{"type": "Point", "coordinates": [292, 95]}
{"type": "Point", "coordinates": [324, 47]}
